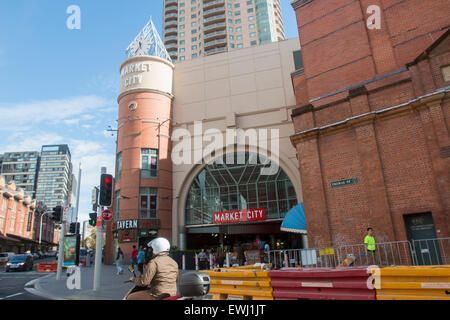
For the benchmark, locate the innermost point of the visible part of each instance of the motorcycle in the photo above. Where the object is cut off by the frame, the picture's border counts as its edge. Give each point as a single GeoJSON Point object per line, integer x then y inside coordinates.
{"type": "Point", "coordinates": [192, 286]}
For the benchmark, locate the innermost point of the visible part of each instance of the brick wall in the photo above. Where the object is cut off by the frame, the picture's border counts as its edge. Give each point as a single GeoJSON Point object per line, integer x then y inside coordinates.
{"type": "Point", "coordinates": [345, 129]}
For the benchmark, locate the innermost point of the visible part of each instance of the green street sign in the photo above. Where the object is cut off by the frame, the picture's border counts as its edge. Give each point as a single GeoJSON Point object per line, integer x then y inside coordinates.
{"type": "Point", "coordinates": [345, 182]}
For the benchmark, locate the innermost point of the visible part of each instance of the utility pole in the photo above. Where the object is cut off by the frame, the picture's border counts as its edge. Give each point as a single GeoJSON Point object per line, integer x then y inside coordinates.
{"type": "Point", "coordinates": [98, 246]}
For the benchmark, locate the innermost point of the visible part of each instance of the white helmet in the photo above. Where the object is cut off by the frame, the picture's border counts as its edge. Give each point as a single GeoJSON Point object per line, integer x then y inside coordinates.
{"type": "Point", "coordinates": [159, 245]}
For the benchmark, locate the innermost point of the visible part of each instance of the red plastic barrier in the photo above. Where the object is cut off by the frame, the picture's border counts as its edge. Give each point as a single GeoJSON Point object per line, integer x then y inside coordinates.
{"type": "Point", "coordinates": [47, 267]}
{"type": "Point", "coordinates": [322, 284]}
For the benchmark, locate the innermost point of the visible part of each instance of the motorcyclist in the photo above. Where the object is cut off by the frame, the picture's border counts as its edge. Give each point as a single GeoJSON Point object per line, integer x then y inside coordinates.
{"type": "Point", "coordinates": [161, 274]}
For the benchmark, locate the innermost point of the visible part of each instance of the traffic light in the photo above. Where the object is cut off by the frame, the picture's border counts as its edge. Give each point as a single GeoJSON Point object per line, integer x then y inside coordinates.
{"type": "Point", "coordinates": [93, 219]}
{"type": "Point", "coordinates": [106, 182]}
{"type": "Point", "coordinates": [57, 214]}
{"type": "Point", "coordinates": [73, 228]}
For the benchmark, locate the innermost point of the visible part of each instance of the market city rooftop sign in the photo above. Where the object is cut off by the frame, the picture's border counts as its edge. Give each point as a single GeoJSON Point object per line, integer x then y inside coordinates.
{"type": "Point", "coordinates": [239, 216]}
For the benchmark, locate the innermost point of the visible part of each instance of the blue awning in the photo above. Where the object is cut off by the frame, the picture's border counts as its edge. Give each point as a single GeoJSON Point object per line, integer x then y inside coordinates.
{"type": "Point", "coordinates": [294, 221]}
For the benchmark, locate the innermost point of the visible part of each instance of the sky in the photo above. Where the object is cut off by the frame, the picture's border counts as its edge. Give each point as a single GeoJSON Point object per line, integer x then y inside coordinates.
{"type": "Point", "coordinates": [60, 86]}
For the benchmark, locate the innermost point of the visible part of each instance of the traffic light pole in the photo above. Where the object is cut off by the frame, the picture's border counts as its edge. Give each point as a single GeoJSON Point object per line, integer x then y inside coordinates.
{"type": "Point", "coordinates": [98, 255]}
{"type": "Point", "coordinates": [61, 251]}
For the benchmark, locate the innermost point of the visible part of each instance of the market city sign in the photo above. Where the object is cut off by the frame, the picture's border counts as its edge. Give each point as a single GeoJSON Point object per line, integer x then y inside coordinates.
{"type": "Point", "coordinates": [246, 215]}
{"type": "Point", "coordinates": [136, 69]}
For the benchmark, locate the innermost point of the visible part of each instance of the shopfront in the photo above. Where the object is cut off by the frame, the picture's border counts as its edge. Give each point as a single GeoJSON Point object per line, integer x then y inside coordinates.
{"type": "Point", "coordinates": [231, 202]}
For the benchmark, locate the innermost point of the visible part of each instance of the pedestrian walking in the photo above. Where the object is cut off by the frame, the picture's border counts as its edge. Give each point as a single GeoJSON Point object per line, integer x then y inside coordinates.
{"type": "Point", "coordinates": [202, 260]}
{"type": "Point", "coordinates": [119, 261]}
{"type": "Point", "coordinates": [240, 254]}
{"type": "Point", "coordinates": [369, 241]}
{"type": "Point", "coordinates": [141, 260]}
{"type": "Point", "coordinates": [266, 252]}
{"type": "Point", "coordinates": [133, 256]}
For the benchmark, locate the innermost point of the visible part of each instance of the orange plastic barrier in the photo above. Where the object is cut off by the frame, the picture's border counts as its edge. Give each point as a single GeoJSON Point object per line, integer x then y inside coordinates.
{"type": "Point", "coordinates": [47, 267]}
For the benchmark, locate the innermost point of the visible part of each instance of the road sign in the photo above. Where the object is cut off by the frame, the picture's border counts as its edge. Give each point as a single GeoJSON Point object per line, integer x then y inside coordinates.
{"type": "Point", "coordinates": [99, 222]}
{"type": "Point", "coordinates": [65, 213]}
{"type": "Point", "coordinates": [107, 215]}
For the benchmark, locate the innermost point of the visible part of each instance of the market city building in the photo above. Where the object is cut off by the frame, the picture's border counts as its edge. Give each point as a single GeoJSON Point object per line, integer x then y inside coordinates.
{"type": "Point", "coordinates": [154, 196]}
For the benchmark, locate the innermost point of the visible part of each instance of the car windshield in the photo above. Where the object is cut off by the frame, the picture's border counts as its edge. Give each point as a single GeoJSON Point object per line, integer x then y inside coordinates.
{"type": "Point", "coordinates": [18, 259]}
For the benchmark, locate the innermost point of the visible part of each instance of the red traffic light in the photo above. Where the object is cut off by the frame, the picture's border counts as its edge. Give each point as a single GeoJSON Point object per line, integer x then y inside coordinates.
{"type": "Point", "coordinates": [107, 180]}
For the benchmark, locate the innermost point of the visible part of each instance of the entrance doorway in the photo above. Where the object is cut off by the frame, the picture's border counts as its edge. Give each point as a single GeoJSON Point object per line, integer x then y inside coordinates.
{"type": "Point", "coordinates": [420, 231]}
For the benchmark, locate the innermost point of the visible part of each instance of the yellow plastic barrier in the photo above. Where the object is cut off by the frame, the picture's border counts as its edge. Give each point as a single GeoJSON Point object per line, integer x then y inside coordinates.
{"type": "Point", "coordinates": [413, 283]}
{"type": "Point", "coordinates": [240, 284]}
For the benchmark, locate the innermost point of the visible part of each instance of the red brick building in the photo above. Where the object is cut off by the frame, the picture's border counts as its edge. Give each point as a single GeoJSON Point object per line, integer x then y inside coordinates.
{"type": "Point", "coordinates": [373, 119]}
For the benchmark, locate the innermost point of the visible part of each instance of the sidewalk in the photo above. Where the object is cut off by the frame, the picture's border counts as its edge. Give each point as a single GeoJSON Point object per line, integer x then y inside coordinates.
{"type": "Point", "coordinates": [112, 286]}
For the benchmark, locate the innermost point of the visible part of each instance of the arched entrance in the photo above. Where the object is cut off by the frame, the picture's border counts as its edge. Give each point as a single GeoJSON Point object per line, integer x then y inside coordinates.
{"type": "Point", "coordinates": [233, 185]}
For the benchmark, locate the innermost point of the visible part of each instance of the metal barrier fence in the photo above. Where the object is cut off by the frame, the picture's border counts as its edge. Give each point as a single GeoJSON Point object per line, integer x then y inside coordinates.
{"type": "Point", "coordinates": [431, 251]}
{"type": "Point", "coordinates": [397, 253]}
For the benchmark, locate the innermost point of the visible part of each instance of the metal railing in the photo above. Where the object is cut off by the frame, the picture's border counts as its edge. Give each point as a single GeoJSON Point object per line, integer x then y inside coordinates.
{"type": "Point", "coordinates": [431, 251]}
{"type": "Point", "coordinates": [396, 253]}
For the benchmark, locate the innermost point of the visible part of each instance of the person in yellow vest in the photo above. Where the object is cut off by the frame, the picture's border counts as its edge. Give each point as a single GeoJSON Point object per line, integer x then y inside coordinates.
{"type": "Point", "coordinates": [369, 241]}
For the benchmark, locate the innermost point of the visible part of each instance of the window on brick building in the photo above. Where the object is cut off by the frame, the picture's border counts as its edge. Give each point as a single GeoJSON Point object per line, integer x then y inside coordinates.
{"type": "Point", "coordinates": [298, 59]}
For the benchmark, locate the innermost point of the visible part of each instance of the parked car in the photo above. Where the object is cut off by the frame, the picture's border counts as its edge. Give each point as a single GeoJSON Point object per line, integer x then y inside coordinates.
{"type": "Point", "coordinates": [21, 262]}
{"type": "Point", "coordinates": [5, 256]}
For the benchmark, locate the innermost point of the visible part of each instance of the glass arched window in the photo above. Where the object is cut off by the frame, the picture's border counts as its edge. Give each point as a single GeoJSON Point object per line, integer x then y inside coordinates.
{"type": "Point", "coordinates": [221, 186]}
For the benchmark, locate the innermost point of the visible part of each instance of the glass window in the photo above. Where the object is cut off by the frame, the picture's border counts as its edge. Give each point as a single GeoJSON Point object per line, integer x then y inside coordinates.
{"type": "Point", "coordinates": [149, 163]}
{"type": "Point", "coordinates": [224, 186]}
{"type": "Point", "coordinates": [253, 34]}
{"type": "Point", "coordinates": [119, 166]}
{"type": "Point", "coordinates": [237, 5]}
{"type": "Point", "coordinates": [230, 29]}
{"type": "Point", "coordinates": [148, 203]}
{"type": "Point", "coordinates": [194, 47]}
{"type": "Point", "coordinates": [229, 5]}
{"type": "Point", "coordinates": [182, 26]}
{"type": "Point", "coordinates": [250, 10]}
{"type": "Point", "coordinates": [238, 29]}
{"type": "Point", "coordinates": [193, 16]}
{"type": "Point", "coordinates": [237, 13]}
{"type": "Point", "coordinates": [239, 37]}
{"type": "Point", "coordinates": [117, 207]}
{"type": "Point", "coordinates": [182, 34]}
{"type": "Point", "coordinates": [182, 11]}
{"type": "Point", "coordinates": [182, 4]}
{"type": "Point", "coordinates": [249, 2]}
{"type": "Point", "coordinates": [253, 43]}
{"type": "Point", "coordinates": [238, 21]}
{"type": "Point", "coordinates": [182, 50]}
{"type": "Point", "coordinates": [194, 55]}
{"type": "Point", "coordinates": [231, 37]}
{"type": "Point", "coordinates": [182, 41]}
{"type": "Point", "coordinates": [251, 18]}
{"type": "Point", "coordinates": [181, 19]}
{"type": "Point", "coordinates": [251, 26]}
{"type": "Point", "coordinates": [240, 45]}
{"type": "Point", "coordinates": [298, 59]}
{"type": "Point", "coordinates": [231, 45]}
{"type": "Point", "coordinates": [193, 24]}
{"type": "Point", "coordinates": [230, 13]}
{"type": "Point", "coordinates": [182, 58]}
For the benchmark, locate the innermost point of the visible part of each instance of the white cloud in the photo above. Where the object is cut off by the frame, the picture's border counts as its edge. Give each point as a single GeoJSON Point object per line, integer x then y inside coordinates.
{"type": "Point", "coordinates": [24, 142]}
{"type": "Point", "coordinates": [51, 111]}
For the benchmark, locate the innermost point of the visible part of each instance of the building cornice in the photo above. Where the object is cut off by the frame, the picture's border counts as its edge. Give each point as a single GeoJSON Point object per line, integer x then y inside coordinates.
{"type": "Point", "coordinates": [170, 96]}
{"type": "Point", "coordinates": [299, 3]}
{"type": "Point", "coordinates": [363, 119]}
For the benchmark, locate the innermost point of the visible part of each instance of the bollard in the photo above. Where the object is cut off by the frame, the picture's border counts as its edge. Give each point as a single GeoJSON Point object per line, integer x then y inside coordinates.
{"type": "Point", "coordinates": [184, 262]}
{"type": "Point", "coordinates": [196, 262]}
{"type": "Point", "coordinates": [228, 260]}
{"type": "Point", "coordinates": [211, 261]}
